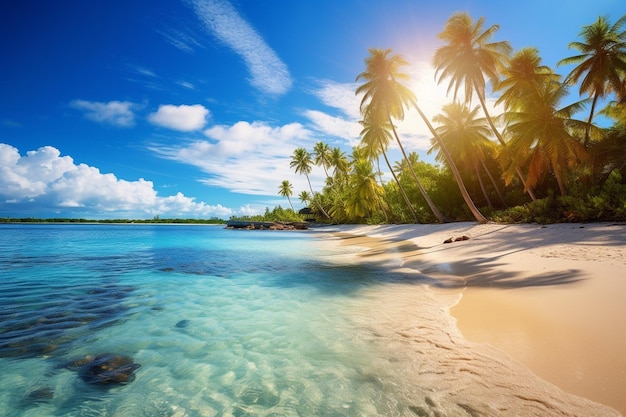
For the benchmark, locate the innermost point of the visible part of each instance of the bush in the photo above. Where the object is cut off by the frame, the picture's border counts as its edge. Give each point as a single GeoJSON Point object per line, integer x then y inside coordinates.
{"type": "Point", "coordinates": [605, 202]}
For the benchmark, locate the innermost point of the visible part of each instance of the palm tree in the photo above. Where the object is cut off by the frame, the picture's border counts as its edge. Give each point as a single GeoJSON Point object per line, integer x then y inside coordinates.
{"type": "Point", "coordinates": [455, 172]}
{"type": "Point", "coordinates": [467, 58]}
{"type": "Point", "coordinates": [322, 154]}
{"type": "Point", "coordinates": [304, 197]}
{"type": "Point", "coordinates": [339, 161]}
{"type": "Point", "coordinates": [302, 162]}
{"type": "Point", "coordinates": [467, 135]}
{"type": "Point", "coordinates": [365, 192]}
{"type": "Point", "coordinates": [286, 190]}
{"type": "Point", "coordinates": [383, 92]}
{"type": "Point", "coordinates": [522, 76]}
{"type": "Point", "coordinates": [543, 132]}
{"type": "Point", "coordinates": [601, 63]}
{"type": "Point", "coordinates": [375, 137]}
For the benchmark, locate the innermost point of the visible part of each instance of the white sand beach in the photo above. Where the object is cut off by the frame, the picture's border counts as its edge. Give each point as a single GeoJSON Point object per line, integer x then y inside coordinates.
{"type": "Point", "coordinates": [532, 320]}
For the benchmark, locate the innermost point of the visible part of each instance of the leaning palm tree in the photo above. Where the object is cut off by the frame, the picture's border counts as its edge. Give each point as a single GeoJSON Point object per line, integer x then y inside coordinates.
{"type": "Point", "coordinates": [383, 92]}
{"type": "Point", "coordinates": [302, 162]}
{"type": "Point", "coordinates": [467, 59]}
{"type": "Point", "coordinates": [286, 190]}
{"type": "Point", "coordinates": [455, 172]}
{"type": "Point", "coordinates": [542, 131]}
{"type": "Point", "coordinates": [375, 137]}
{"type": "Point", "coordinates": [468, 136]}
{"type": "Point", "coordinates": [601, 63]}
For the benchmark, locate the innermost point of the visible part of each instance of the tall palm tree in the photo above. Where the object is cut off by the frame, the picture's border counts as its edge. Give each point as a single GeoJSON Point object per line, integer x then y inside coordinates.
{"type": "Point", "coordinates": [286, 190]}
{"type": "Point", "coordinates": [542, 131]}
{"type": "Point", "coordinates": [383, 92]}
{"type": "Point", "coordinates": [601, 63]}
{"type": "Point", "coordinates": [302, 163]}
{"type": "Point", "coordinates": [468, 58]}
{"type": "Point", "coordinates": [322, 154]}
{"type": "Point", "coordinates": [376, 137]}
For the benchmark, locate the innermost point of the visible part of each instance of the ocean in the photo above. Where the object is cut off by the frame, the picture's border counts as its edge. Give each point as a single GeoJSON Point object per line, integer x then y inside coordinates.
{"type": "Point", "coordinates": [208, 321]}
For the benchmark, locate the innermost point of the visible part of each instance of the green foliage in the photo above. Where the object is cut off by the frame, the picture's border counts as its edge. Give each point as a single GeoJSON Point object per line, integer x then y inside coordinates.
{"type": "Point", "coordinates": [604, 202]}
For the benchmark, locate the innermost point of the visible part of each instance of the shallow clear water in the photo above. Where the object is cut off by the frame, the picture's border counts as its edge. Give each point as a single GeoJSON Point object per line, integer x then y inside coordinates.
{"type": "Point", "coordinates": [222, 323]}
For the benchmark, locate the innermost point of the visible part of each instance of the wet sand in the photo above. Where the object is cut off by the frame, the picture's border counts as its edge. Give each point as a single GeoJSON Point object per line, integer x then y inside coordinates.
{"type": "Point", "coordinates": [551, 298]}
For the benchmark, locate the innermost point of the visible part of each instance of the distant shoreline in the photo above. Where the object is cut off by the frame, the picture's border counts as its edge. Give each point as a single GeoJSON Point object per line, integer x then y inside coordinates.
{"type": "Point", "coordinates": [27, 220]}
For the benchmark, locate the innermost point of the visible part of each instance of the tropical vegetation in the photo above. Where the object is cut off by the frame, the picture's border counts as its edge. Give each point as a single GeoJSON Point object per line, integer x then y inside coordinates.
{"type": "Point", "coordinates": [542, 158]}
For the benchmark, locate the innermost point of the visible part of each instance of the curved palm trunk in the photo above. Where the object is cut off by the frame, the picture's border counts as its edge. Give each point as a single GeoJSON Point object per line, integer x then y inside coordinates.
{"type": "Point", "coordinates": [503, 143]}
{"type": "Point", "coordinates": [406, 197]}
{"type": "Point", "coordinates": [457, 176]}
{"type": "Point", "coordinates": [438, 214]}
{"type": "Point", "coordinates": [314, 199]}
{"type": "Point", "coordinates": [493, 182]}
{"type": "Point", "coordinates": [559, 180]}
{"type": "Point", "coordinates": [289, 199]}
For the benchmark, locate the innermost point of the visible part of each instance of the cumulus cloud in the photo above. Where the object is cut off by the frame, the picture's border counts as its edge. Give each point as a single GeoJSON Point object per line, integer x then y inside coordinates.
{"type": "Point", "coordinates": [44, 180]}
{"type": "Point", "coordinates": [248, 158]}
{"type": "Point", "coordinates": [184, 118]}
{"type": "Point", "coordinates": [269, 74]}
{"type": "Point", "coordinates": [116, 113]}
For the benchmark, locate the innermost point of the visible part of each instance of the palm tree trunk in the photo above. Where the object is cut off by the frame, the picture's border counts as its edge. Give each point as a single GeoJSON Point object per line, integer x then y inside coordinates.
{"type": "Point", "coordinates": [289, 199]}
{"type": "Point", "coordinates": [593, 107]}
{"type": "Point", "coordinates": [493, 182]}
{"type": "Point", "coordinates": [559, 181]}
{"type": "Point", "coordinates": [482, 186]}
{"type": "Point", "coordinates": [314, 199]}
{"type": "Point", "coordinates": [457, 176]}
{"type": "Point", "coordinates": [431, 205]}
{"type": "Point", "coordinates": [402, 191]}
{"type": "Point", "coordinates": [503, 143]}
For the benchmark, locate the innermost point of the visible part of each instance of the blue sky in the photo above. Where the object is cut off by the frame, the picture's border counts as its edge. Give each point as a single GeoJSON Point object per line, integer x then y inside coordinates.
{"type": "Point", "coordinates": [192, 108]}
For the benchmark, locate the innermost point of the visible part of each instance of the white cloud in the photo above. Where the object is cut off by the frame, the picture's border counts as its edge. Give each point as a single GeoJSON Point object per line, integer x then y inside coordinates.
{"type": "Point", "coordinates": [183, 40]}
{"type": "Point", "coordinates": [184, 118]}
{"type": "Point", "coordinates": [334, 126]}
{"type": "Point", "coordinates": [46, 181]}
{"type": "Point", "coordinates": [269, 73]}
{"type": "Point", "coordinates": [249, 158]}
{"type": "Point", "coordinates": [117, 113]}
{"type": "Point", "coordinates": [340, 96]}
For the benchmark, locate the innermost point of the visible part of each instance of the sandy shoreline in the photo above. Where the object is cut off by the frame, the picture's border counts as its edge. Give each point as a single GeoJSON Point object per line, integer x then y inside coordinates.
{"type": "Point", "coordinates": [551, 297]}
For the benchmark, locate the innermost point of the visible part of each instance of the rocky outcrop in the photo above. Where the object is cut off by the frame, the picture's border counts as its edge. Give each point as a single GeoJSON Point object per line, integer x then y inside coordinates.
{"type": "Point", "coordinates": [249, 225]}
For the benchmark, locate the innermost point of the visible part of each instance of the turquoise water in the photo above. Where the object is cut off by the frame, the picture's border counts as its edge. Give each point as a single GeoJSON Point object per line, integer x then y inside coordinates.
{"type": "Point", "coordinates": [221, 322]}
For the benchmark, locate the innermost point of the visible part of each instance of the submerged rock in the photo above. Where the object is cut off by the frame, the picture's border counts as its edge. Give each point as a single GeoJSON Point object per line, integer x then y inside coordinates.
{"type": "Point", "coordinates": [105, 369]}
{"type": "Point", "coordinates": [182, 324]}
